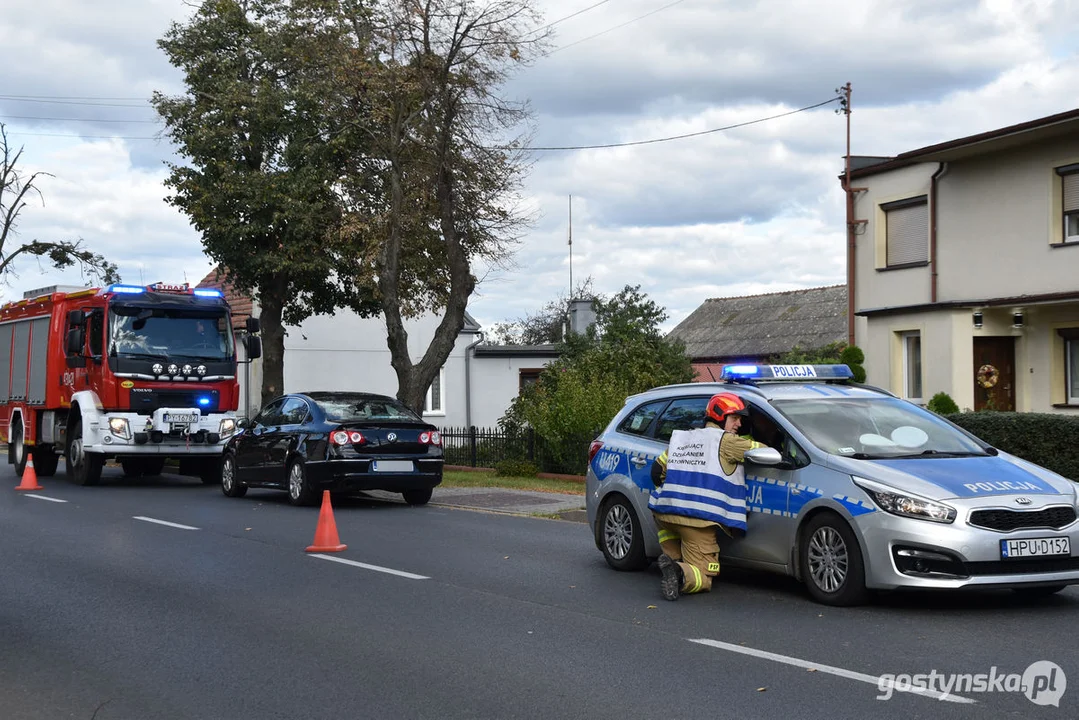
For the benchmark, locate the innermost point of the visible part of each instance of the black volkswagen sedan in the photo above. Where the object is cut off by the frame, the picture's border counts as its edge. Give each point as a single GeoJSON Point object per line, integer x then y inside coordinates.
{"type": "Point", "coordinates": [305, 443]}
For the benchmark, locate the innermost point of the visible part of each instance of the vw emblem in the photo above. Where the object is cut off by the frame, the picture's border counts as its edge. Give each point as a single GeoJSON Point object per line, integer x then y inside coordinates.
{"type": "Point", "coordinates": [392, 437]}
{"type": "Point", "coordinates": [1023, 500]}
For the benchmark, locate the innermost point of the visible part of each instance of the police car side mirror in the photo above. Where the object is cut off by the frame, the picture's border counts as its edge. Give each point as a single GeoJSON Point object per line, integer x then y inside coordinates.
{"type": "Point", "coordinates": [764, 456]}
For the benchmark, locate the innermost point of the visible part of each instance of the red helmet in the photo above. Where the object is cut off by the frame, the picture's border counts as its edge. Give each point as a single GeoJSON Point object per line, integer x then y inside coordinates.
{"type": "Point", "coordinates": [724, 404]}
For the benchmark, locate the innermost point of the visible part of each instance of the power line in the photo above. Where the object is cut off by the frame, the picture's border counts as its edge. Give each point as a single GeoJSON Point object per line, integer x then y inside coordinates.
{"type": "Point", "coordinates": [616, 27]}
{"type": "Point", "coordinates": [71, 119]}
{"type": "Point", "coordinates": [687, 135]}
{"type": "Point", "coordinates": [568, 17]}
{"type": "Point", "coordinates": [80, 136]}
{"type": "Point", "coordinates": [15, 98]}
{"type": "Point", "coordinates": [66, 97]}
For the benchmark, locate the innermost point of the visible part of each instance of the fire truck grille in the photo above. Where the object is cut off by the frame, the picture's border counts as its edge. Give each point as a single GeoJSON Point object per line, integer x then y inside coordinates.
{"type": "Point", "coordinates": [146, 402]}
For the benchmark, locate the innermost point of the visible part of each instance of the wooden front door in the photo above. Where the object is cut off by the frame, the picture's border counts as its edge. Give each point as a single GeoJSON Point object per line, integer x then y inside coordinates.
{"type": "Point", "coordinates": [1000, 353]}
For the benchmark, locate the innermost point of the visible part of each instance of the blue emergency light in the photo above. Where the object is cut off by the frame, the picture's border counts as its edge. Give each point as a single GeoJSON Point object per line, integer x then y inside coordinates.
{"type": "Point", "coordinates": [126, 289]}
{"type": "Point", "coordinates": [786, 372]}
{"type": "Point", "coordinates": [203, 292]}
{"type": "Point", "coordinates": [204, 401]}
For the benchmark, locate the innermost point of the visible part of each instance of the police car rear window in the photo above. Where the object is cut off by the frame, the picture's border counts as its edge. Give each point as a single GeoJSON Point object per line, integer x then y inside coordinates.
{"type": "Point", "coordinates": [640, 420]}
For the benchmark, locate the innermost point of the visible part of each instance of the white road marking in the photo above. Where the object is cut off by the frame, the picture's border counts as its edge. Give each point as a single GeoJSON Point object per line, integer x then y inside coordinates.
{"type": "Point", "coordinates": [376, 568]}
{"type": "Point", "coordinates": [42, 497]}
{"type": "Point", "coordinates": [164, 522]}
{"type": "Point", "coordinates": [849, 674]}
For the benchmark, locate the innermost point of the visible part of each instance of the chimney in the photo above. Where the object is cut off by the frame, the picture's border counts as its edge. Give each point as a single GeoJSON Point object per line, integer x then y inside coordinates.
{"type": "Point", "coordinates": [582, 315]}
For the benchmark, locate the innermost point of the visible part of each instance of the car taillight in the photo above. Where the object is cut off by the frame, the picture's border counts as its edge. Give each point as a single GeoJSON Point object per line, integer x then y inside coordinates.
{"type": "Point", "coordinates": [430, 438]}
{"type": "Point", "coordinates": [594, 448]}
{"type": "Point", "coordinates": [344, 437]}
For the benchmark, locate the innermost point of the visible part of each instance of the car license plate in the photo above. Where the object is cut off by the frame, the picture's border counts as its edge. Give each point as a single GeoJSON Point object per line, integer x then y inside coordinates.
{"type": "Point", "coordinates": [1034, 547]}
{"type": "Point", "coordinates": [186, 419]}
{"type": "Point", "coordinates": [393, 466]}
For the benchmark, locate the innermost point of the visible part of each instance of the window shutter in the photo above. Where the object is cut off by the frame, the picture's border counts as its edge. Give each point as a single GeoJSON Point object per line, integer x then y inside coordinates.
{"type": "Point", "coordinates": [1071, 192]}
{"type": "Point", "coordinates": [908, 234]}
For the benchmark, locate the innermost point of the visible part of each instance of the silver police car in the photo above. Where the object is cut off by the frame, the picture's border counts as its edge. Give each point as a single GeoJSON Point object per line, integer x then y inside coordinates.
{"type": "Point", "coordinates": [857, 490]}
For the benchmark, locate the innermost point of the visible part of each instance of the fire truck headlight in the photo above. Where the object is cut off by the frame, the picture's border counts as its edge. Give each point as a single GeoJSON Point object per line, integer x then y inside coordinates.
{"type": "Point", "coordinates": [120, 428]}
{"type": "Point", "coordinates": [228, 427]}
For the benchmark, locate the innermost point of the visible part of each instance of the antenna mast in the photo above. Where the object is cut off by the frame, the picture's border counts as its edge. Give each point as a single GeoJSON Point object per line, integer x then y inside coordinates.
{"type": "Point", "coordinates": [570, 243]}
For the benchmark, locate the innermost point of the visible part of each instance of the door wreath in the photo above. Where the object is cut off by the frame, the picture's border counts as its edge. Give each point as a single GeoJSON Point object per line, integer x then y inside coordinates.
{"type": "Point", "coordinates": [988, 376]}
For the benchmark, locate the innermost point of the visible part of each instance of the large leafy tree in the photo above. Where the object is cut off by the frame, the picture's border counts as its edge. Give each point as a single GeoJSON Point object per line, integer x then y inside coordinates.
{"type": "Point", "coordinates": [434, 187]}
{"type": "Point", "coordinates": [261, 160]}
{"type": "Point", "coordinates": [17, 189]}
{"type": "Point", "coordinates": [624, 353]}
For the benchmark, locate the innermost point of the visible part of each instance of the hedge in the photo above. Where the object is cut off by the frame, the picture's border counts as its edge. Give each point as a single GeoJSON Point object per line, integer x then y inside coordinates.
{"type": "Point", "coordinates": [1045, 439]}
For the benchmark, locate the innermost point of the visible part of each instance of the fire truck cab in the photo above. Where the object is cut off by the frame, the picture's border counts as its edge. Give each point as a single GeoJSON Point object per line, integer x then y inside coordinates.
{"type": "Point", "coordinates": [136, 373]}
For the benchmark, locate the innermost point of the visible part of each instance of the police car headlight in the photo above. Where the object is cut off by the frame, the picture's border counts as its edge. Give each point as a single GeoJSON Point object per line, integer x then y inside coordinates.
{"type": "Point", "coordinates": [120, 428]}
{"type": "Point", "coordinates": [228, 428]}
{"type": "Point", "coordinates": [905, 505]}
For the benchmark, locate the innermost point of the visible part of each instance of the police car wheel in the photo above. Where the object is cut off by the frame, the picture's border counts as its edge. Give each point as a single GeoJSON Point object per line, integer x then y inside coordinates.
{"type": "Point", "coordinates": [831, 561]}
{"type": "Point", "coordinates": [620, 535]}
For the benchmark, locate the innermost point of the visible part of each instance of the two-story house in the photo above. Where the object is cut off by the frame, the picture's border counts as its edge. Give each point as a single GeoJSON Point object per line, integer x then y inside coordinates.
{"type": "Point", "coordinates": [966, 270]}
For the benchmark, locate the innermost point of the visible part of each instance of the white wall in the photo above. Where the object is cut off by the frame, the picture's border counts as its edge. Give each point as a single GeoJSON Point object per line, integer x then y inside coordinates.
{"type": "Point", "coordinates": [495, 383]}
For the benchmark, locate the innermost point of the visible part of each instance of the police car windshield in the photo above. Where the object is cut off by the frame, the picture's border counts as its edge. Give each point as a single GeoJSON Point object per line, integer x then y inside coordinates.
{"type": "Point", "coordinates": [874, 428]}
{"type": "Point", "coordinates": [170, 333]}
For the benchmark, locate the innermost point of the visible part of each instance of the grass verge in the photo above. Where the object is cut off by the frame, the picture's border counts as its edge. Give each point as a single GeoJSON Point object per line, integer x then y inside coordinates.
{"type": "Point", "coordinates": [463, 479]}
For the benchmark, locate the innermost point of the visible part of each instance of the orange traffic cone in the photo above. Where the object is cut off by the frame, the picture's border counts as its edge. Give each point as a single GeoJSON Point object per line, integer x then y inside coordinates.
{"type": "Point", "coordinates": [326, 539]}
{"type": "Point", "coordinates": [29, 477]}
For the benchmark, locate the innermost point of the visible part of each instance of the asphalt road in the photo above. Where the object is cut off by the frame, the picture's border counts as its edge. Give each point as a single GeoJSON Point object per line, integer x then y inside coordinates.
{"type": "Point", "coordinates": [442, 613]}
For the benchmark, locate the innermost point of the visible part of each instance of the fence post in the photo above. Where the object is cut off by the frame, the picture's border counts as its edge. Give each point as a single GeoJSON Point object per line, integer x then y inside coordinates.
{"type": "Point", "coordinates": [472, 444]}
{"type": "Point", "coordinates": [531, 444]}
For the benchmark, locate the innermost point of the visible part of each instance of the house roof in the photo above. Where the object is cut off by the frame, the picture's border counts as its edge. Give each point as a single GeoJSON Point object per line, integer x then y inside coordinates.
{"type": "Point", "coordinates": [517, 351]}
{"type": "Point", "coordinates": [759, 325]}
{"type": "Point", "coordinates": [240, 303]}
{"type": "Point", "coordinates": [1000, 139]}
{"type": "Point", "coordinates": [1015, 300]}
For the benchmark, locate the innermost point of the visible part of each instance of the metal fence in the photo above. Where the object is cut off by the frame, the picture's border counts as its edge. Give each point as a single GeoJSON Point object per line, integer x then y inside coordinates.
{"type": "Point", "coordinates": [486, 447]}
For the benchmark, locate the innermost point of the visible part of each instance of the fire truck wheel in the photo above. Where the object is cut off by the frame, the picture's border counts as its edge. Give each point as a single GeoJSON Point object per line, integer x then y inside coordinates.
{"type": "Point", "coordinates": [45, 462]}
{"type": "Point", "coordinates": [152, 466]}
{"type": "Point", "coordinates": [82, 467]}
{"type": "Point", "coordinates": [18, 450]}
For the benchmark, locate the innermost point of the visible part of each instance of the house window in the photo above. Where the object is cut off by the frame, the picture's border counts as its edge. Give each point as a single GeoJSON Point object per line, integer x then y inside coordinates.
{"type": "Point", "coordinates": [435, 402]}
{"type": "Point", "coordinates": [912, 366]}
{"type": "Point", "coordinates": [907, 231]}
{"type": "Point", "coordinates": [527, 378]}
{"type": "Point", "coordinates": [1069, 181]}
{"type": "Point", "coordinates": [1071, 364]}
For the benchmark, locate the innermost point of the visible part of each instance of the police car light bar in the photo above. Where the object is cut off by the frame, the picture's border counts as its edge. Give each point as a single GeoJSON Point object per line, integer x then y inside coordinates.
{"type": "Point", "coordinates": [787, 372]}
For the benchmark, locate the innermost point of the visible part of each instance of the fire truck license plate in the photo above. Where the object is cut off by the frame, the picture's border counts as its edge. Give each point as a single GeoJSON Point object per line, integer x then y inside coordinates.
{"type": "Point", "coordinates": [184, 419]}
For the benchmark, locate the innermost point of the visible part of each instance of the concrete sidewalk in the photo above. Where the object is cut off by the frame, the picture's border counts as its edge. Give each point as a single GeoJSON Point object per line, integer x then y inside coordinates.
{"type": "Point", "coordinates": [503, 500]}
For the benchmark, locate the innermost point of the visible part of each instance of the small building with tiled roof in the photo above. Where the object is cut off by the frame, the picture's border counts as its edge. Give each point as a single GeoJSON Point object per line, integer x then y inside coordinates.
{"type": "Point", "coordinates": [754, 328]}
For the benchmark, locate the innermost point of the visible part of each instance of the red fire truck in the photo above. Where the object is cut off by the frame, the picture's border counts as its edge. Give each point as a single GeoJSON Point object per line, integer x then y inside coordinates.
{"type": "Point", "coordinates": [135, 373]}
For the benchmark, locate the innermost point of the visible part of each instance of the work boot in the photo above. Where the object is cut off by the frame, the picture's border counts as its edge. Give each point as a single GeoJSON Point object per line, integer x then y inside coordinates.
{"type": "Point", "coordinates": [672, 580]}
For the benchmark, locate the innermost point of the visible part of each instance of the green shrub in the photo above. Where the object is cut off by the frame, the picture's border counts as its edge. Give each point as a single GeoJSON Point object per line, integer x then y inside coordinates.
{"type": "Point", "coordinates": [853, 357]}
{"type": "Point", "coordinates": [1045, 439]}
{"type": "Point", "coordinates": [942, 404]}
{"type": "Point", "coordinates": [515, 468]}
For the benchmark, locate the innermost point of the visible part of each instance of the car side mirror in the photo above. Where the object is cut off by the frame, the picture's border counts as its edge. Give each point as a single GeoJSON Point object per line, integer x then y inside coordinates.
{"type": "Point", "coordinates": [76, 339]}
{"type": "Point", "coordinates": [76, 318]}
{"type": "Point", "coordinates": [243, 423]}
{"type": "Point", "coordinates": [253, 325]}
{"type": "Point", "coordinates": [764, 456]}
{"type": "Point", "coordinates": [254, 347]}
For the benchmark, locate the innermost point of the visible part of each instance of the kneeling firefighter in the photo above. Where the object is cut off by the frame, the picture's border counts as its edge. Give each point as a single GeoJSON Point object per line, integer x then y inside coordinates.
{"type": "Point", "coordinates": [700, 486]}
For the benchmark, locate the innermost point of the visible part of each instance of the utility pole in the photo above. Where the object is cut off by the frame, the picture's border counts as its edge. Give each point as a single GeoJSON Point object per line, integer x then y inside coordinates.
{"type": "Point", "coordinates": [570, 243]}
{"type": "Point", "coordinates": [844, 107]}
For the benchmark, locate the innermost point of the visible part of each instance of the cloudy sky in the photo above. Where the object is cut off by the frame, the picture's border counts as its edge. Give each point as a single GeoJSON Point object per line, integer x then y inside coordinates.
{"type": "Point", "coordinates": [755, 209]}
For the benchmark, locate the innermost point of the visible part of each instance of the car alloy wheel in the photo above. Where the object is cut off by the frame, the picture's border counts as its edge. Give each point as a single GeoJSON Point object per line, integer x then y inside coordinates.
{"type": "Point", "coordinates": [618, 531]}
{"type": "Point", "coordinates": [295, 481]}
{"type": "Point", "coordinates": [828, 560]}
{"type": "Point", "coordinates": [228, 477]}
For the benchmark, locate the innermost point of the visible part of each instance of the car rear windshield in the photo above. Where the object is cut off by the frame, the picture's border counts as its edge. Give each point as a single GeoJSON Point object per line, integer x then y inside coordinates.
{"type": "Point", "coordinates": [355, 409]}
{"type": "Point", "coordinates": [884, 427]}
